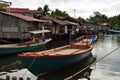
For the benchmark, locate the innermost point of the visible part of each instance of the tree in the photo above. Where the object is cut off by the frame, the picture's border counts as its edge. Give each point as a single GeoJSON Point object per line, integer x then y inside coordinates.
{"type": "Point", "coordinates": [45, 10]}
{"type": "Point", "coordinates": [97, 18]}
{"type": "Point", "coordinates": [2, 8]}
{"type": "Point", "coordinates": [114, 21]}
{"type": "Point", "coordinates": [59, 14]}
{"type": "Point", "coordinates": [80, 19]}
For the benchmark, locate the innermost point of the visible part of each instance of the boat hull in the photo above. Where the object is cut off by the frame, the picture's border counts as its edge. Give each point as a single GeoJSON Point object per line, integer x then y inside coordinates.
{"type": "Point", "coordinates": [43, 65]}
{"type": "Point", "coordinates": [18, 49]}
{"type": "Point", "coordinates": [113, 32]}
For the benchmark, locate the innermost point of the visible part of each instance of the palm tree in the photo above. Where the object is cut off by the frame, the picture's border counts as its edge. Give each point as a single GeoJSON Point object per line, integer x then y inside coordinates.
{"type": "Point", "coordinates": [45, 10]}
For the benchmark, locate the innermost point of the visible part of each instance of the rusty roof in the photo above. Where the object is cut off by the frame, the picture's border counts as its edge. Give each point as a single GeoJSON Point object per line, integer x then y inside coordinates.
{"type": "Point", "coordinates": [26, 18]}
{"type": "Point", "coordinates": [71, 23]}
{"type": "Point", "coordinates": [22, 10]}
{"type": "Point", "coordinates": [54, 20]}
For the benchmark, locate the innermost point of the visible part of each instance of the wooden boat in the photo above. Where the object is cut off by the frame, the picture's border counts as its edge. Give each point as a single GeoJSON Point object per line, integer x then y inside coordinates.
{"type": "Point", "coordinates": [8, 49]}
{"type": "Point", "coordinates": [53, 59]}
{"type": "Point", "coordinates": [113, 31]}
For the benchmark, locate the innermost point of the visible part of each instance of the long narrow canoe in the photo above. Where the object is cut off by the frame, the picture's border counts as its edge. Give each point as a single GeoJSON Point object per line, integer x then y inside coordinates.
{"type": "Point", "coordinates": [8, 49]}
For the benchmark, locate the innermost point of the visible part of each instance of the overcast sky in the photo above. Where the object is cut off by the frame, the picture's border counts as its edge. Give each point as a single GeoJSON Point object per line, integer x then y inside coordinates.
{"type": "Point", "coordinates": [82, 8]}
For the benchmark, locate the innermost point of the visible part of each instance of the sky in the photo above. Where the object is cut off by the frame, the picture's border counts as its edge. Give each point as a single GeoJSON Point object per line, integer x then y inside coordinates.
{"type": "Point", "coordinates": [75, 8]}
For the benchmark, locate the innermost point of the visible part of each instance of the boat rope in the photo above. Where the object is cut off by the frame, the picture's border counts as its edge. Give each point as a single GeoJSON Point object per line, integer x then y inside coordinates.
{"type": "Point", "coordinates": [70, 77]}
{"type": "Point", "coordinates": [10, 64]}
{"type": "Point", "coordinates": [29, 66]}
{"type": "Point", "coordinates": [32, 62]}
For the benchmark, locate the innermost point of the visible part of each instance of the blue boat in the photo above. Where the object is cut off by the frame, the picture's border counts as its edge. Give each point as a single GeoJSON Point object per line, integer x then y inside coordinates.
{"type": "Point", "coordinates": [8, 49]}
{"type": "Point", "coordinates": [113, 31]}
{"type": "Point", "coordinates": [53, 59]}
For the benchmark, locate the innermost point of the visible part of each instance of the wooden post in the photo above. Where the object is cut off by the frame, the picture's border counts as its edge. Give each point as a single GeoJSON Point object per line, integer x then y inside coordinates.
{"type": "Point", "coordinates": [20, 78]}
{"type": "Point", "coordinates": [28, 78]}
{"type": "Point", "coordinates": [7, 77]}
{"type": "Point", "coordinates": [14, 78]}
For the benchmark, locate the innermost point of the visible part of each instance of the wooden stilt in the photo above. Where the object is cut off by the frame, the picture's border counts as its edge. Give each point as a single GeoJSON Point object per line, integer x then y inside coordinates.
{"type": "Point", "coordinates": [28, 78]}
{"type": "Point", "coordinates": [21, 78]}
{"type": "Point", "coordinates": [14, 78]}
{"type": "Point", "coordinates": [7, 77]}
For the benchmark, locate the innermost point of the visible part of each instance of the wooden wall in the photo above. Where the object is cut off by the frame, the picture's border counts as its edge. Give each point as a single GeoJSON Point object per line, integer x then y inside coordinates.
{"type": "Point", "coordinates": [13, 27]}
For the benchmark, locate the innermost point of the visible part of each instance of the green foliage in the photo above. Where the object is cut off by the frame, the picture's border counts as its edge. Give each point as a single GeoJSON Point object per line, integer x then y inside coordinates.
{"type": "Point", "coordinates": [114, 21]}
{"type": "Point", "coordinates": [97, 18]}
{"type": "Point", "coordinates": [59, 14]}
{"type": "Point", "coordinates": [80, 19]}
{"type": "Point", "coordinates": [45, 10]}
{"type": "Point", "coordinates": [3, 9]}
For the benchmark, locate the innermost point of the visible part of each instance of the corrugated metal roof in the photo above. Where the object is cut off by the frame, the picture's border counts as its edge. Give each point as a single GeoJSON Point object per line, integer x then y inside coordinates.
{"type": "Point", "coordinates": [71, 23]}
{"type": "Point", "coordinates": [55, 20]}
{"type": "Point", "coordinates": [26, 18]}
{"type": "Point", "coordinates": [22, 10]}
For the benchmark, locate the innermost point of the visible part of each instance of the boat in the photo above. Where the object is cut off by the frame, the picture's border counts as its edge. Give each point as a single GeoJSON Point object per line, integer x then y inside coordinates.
{"type": "Point", "coordinates": [8, 49]}
{"type": "Point", "coordinates": [113, 31]}
{"type": "Point", "coordinates": [65, 73]}
{"type": "Point", "coordinates": [42, 62]}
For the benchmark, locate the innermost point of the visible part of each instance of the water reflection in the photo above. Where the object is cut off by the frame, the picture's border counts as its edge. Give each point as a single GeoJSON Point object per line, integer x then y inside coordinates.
{"type": "Point", "coordinates": [10, 63]}
{"type": "Point", "coordinates": [107, 68]}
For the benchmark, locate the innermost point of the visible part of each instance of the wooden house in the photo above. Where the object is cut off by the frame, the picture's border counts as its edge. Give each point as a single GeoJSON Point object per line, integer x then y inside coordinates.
{"type": "Point", "coordinates": [89, 29]}
{"type": "Point", "coordinates": [13, 26]}
{"type": "Point", "coordinates": [61, 28]}
{"type": "Point", "coordinates": [58, 27]}
{"type": "Point", "coordinates": [72, 24]}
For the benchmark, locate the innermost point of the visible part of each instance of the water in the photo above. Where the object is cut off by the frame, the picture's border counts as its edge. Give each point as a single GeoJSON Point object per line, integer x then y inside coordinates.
{"type": "Point", "coordinates": [106, 69]}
